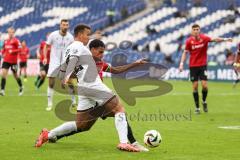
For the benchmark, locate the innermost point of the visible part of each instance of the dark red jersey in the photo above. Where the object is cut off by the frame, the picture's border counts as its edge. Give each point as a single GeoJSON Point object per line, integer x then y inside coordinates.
{"type": "Point", "coordinates": [23, 54]}
{"type": "Point", "coordinates": [11, 49]}
{"type": "Point", "coordinates": [197, 50]}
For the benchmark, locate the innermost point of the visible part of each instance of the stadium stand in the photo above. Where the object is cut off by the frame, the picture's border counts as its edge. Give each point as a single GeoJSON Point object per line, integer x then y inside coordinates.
{"type": "Point", "coordinates": [33, 19]}
{"type": "Point", "coordinates": [158, 34]}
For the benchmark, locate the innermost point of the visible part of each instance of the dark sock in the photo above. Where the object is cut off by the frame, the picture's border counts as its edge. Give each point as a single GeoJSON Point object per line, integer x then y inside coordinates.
{"type": "Point", "coordinates": [19, 82]}
{"type": "Point", "coordinates": [196, 98]}
{"type": "Point", "coordinates": [204, 94]}
{"type": "Point", "coordinates": [237, 81]}
{"type": "Point", "coordinates": [69, 134]}
{"type": "Point", "coordinates": [25, 76]}
{"type": "Point", "coordinates": [130, 134]}
{"type": "Point", "coordinates": [40, 82]}
{"type": "Point", "coordinates": [3, 83]}
{"type": "Point", "coordinates": [38, 78]}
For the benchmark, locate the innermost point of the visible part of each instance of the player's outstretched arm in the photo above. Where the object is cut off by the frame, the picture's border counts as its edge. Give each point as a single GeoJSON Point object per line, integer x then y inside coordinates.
{"type": "Point", "coordinates": [183, 58]}
{"type": "Point", "coordinates": [219, 39]}
{"type": "Point", "coordinates": [121, 69]}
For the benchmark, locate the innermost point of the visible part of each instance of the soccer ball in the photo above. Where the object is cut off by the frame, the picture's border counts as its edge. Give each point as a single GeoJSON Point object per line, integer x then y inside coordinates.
{"type": "Point", "coordinates": [152, 138]}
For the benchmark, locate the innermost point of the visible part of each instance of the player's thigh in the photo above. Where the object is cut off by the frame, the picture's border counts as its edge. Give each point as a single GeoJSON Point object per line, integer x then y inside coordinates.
{"type": "Point", "coordinates": [84, 120]}
{"type": "Point", "coordinates": [87, 112]}
{"type": "Point", "coordinates": [43, 73]}
{"type": "Point", "coordinates": [53, 70]}
{"type": "Point", "coordinates": [112, 107]}
{"type": "Point", "coordinates": [5, 68]}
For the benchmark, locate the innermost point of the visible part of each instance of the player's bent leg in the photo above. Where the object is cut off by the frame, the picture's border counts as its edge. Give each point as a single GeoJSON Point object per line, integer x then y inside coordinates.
{"type": "Point", "coordinates": [66, 129]}
{"type": "Point", "coordinates": [114, 107]}
{"type": "Point", "coordinates": [85, 120]}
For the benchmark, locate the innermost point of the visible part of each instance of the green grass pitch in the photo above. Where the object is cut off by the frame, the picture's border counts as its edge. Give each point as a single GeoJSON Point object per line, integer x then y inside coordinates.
{"type": "Point", "coordinates": [187, 137]}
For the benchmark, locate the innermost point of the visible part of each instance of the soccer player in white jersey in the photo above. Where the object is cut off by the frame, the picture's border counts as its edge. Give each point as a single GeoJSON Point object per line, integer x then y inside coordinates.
{"type": "Point", "coordinates": [58, 41]}
{"type": "Point", "coordinates": [95, 98]}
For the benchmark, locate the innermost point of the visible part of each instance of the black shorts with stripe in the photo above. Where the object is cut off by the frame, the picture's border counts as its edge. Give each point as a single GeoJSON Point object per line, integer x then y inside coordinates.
{"type": "Point", "coordinates": [44, 67]}
{"type": "Point", "coordinates": [198, 73]}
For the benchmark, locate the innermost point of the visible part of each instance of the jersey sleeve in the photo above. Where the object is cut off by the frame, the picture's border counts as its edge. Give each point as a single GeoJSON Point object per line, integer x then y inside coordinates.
{"type": "Point", "coordinates": [207, 38]}
{"type": "Point", "coordinates": [50, 39]}
{"type": "Point", "coordinates": [19, 45]}
{"type": "Point", "coordinates": [106, 67]}
{"type": "Point", "coordinates": [28, 52]}
{"type": "Point", "coordinates": [188, 45]}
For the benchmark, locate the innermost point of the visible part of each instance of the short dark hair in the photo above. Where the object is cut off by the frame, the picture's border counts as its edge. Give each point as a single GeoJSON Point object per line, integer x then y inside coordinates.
{"type": "Point", "coordinates": [195, 26]}
{"type": "Point", "coordinates": [64, 20]}
{"type": "Point", "coordinates": [80, 28]}
{"type": "Point", "coordinates": [96, 43]}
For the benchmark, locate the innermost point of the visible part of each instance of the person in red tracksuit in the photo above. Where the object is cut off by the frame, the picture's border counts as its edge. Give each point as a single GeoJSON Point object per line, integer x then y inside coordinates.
{"type": "Point", "coordinates": [23, 56]}
{"type": "Point", "coordinates": [11, 49]}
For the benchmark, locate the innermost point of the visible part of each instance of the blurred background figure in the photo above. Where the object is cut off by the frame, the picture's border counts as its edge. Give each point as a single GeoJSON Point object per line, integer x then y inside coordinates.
{"type": "Point", "coordinates": [23, 57]}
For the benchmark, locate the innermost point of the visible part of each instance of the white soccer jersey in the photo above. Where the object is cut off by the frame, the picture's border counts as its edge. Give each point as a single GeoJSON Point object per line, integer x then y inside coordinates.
{"type": "Point", "coordinates": [91, 90]}
{"type": "Point", "coordinates": [58, 45]}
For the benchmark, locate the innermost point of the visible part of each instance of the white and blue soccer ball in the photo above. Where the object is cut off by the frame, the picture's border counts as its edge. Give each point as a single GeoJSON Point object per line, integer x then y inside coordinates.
{"type": "Point", "coordinates": [152, 138]}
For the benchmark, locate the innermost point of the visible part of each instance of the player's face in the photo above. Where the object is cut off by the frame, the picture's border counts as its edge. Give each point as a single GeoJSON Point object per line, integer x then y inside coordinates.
{"type": "Point", "coordinates": [11, 32]}
{"type": "Point", "coordinates": [64, 27]}
{"type": "Point", "coordinates": [195, 31]}
{"type": "Point", "coordinates": [85, 36]}
{"type": "Point", "coordinates": [23, 44]}
{"type": "Point", "coordinates": [98, 52]}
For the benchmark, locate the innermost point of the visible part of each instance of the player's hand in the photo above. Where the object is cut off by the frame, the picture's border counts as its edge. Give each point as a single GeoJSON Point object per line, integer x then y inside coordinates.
{"type": "Point", "coordinates": [180, 67]}
{"type": "Point", "coordinates": [45, 61]}
{"type": "Point", "coordinates": [229, 40]}
{"type": "Point", "coordinates": [63, 83]}
{"type": "Point", "coordinates": [10, 51]}
{"type": "Point", "coordinates": [141, 61]}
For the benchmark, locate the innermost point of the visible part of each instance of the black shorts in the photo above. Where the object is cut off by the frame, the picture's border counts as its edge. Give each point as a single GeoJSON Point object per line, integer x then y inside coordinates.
{"type": "Point", "coordinates": [44, 67]}
{"type": "Point", "coordinates": [23, 64]}
{"type": "Point", "coordinates": [198, 73]}
{"type": "Point", "coordinates": [13, 66]}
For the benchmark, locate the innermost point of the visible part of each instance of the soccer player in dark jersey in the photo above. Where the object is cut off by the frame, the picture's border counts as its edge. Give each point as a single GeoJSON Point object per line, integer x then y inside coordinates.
{"type": "Point", "coordinates": [196, 46]}
{"type": "Point", "coordinates": [43, 67]}
{"type": "Point", "coordinates": [236, 66]}
{"type": "Point", "coordinates": [23, 57]}
{"type": "Point", "coordinates": [11, 49]}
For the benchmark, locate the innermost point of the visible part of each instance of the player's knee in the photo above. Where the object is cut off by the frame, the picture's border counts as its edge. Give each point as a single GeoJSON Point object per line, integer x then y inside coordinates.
{"type": "Point", "coordinates": [205, 87]}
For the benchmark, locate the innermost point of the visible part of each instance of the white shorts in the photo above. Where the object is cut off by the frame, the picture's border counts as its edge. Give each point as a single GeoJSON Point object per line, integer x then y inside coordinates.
{"type": "Point", "coordinates": [53, 70]}
{"type": "Point", "coordinates": [93, 96]}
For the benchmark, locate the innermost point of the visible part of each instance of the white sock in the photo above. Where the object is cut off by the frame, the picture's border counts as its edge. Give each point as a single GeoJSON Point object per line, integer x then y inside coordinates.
{"type": "Point", "coordinates": [71, 91]}
{"type": "Point", "coordinates": [62, 130]}
{"type": "Point", "coordinates": [121, 126]}
{"type": "Point", "coordinates": [50, 95]}
{"type": "Point", "coordinates": [73, 99]}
